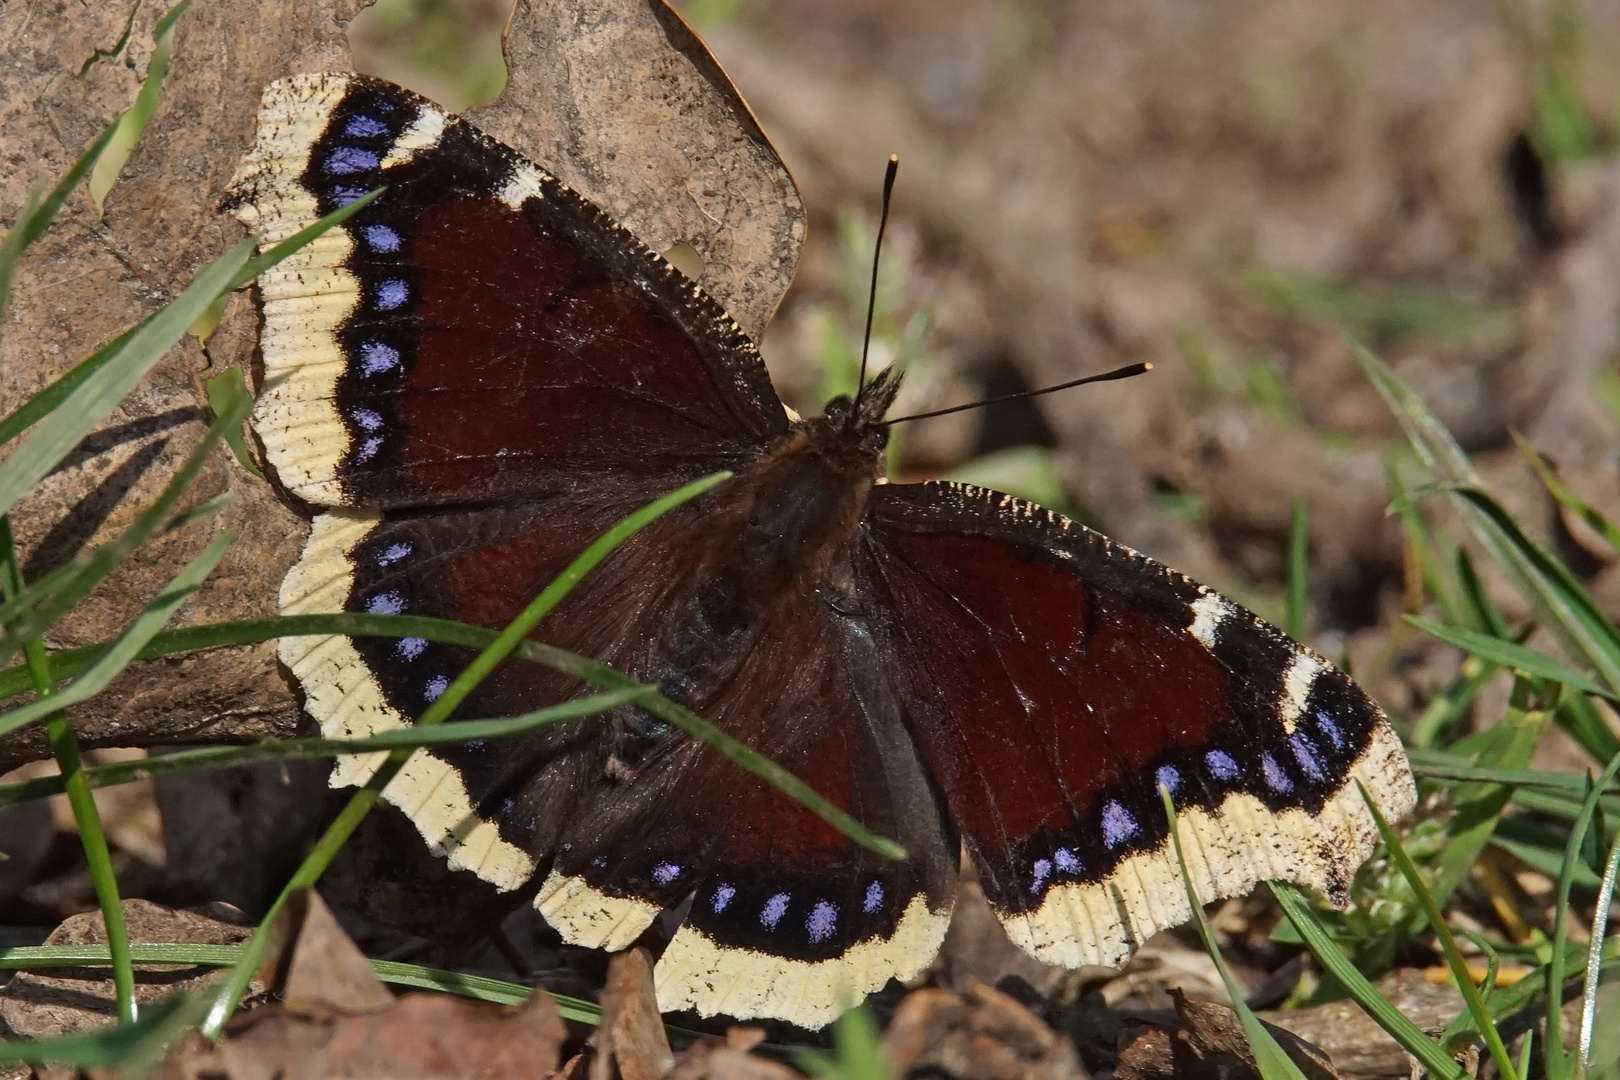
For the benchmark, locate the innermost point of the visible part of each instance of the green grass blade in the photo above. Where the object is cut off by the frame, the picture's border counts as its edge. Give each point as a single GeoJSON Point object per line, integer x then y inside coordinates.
{"type": "Point", "coordinates": [1577, 715]}
{"type": "Point", "coordinates": [1509, 655]}
{"type": "Point", "coordinates": [1338, 965]}
{"type": "Point", "coordinates": [1534, 573]}
{"type": "Point", "coordinates": [705, 732]}
{"type": "Point", "coordinates": [128, 129]}
{"type": "Point", "coordinates": [553, 594]}
{"type": "Point", "coordinates": [52, 600]}
{"type": "Point", "coordinates": [1542, 849]}
{"type": "Point", "coordinates": [38, 213]}
{"type": "Point", "coordinates": [43, 403]}
{"type": "Point", "coordinates": [225, 757]}
{"type": "Point", "coordinates": [1484, 615]}
{"type": "Point", "coordinates": [1567, 498]}
{"type": "Point", "coordinates": [65, 748]}
{"type": "Point", "coordinates": [1552, 1044]}
{"type": "Point", "coordinates": [1443, 765]}
{"type": "Point", "coordinates": [47, 400]}
{"type": "Point", "coordinates": [1510, 743]}
{"type": "Point", "coordinates": [1269, 1058]}
{"type": "Point", "coordinates": [80, 400]}
{"type": "Point", "coordinates": [116, 656]}
{"type": "Point", "coordinates": [109, 1046]}
{"type": "Point", "coordinates": [360, 804]}
{"type": "Point", "coordinates": [1448, 943]}
{"type": "Point", "coordinates": [1594, 960]}
{"type": "Point", "coordinates": [97, 396]}
{"type": "Point", "coordinates": [393, 972]}
{"type": "Point", "coordinates": [273, 255]}
{"type": "Point", "coordinates": [1597, 638]}
{"type": "Point", "coordinates": [227, 395]}
{"type": "Point", "coordinates": [1298, 551]}
{"type": "Point", "coordinates": [442, 631]}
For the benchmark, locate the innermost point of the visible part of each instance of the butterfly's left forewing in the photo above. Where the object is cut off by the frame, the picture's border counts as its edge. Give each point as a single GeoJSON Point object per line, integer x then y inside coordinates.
{"type": "Point", "coordinates": [478, 332]}
{"type": "Point", "coordinates": [1055, 681]}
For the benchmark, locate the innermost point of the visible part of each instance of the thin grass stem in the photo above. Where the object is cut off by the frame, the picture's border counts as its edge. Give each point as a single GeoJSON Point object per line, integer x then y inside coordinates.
{"type": "Point", "coordinates": [1448, 943]}
{"type": "Point", "coordinates": [65, 748]}
{"type": "Point", "coordinates": [1270, 1059]}
{"type": "Point", "coordinates": [1298, 543]}
{"type": "Point", "coordinates": [1594, 961]}
{"type": "Point", "coordinates": [474, 637]}
{"type": "Point", "coordinates": [1553, 1055]}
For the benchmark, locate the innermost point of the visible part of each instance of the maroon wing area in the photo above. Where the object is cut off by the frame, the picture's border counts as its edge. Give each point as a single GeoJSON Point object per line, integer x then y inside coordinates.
{"type": "Point", "coordinates": [513, 350]}
{"type": "Point", "coordinates": [631, 805]}
{"type": "Point", "coordinates": [1053, 680]}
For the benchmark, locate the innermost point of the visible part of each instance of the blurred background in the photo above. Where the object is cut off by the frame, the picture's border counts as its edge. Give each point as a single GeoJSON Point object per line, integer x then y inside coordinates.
{"type": "Point", "coordinates": [1224, 188]}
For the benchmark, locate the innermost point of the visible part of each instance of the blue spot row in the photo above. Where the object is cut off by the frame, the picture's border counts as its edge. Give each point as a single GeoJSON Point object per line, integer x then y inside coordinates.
{"type": "Point", "coordinates": [823, 921]}
{"type": "Point", "coordinates": [394, 553]}
{"type": "Point", "coordinates": [364, 127]}
{"type": "Point", "coordinates": [376, 357]}
{"type": "Point", "coordinates": [348, 160]}
{"type": "Point", "coordinates": [773, 911]}
{"type": "Point", "coordinates": [381, 238]}
{"type": "Point", "coordinates": [1118, 825]}
{"type": "Point", "coordinates": [821, 924]}
{"type": "Point", "coordinates": [1222, 766]}
{"type": "Point", "coordinates": [391, 293]}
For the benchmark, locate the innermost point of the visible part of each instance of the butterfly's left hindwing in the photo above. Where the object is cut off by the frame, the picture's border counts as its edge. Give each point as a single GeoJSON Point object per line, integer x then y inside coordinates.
{"type": "Point", "coordinates": [1055, 680]}
{"type": "Point", "coordinates": [612, 819]}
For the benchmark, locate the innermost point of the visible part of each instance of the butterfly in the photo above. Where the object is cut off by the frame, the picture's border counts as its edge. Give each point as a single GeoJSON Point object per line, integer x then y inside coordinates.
{"type": "Point", "coordinates": [480, 372]}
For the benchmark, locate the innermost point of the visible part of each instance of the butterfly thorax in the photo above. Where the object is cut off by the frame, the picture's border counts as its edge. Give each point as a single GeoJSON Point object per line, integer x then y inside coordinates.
{"type": "Point", "coordinates": [796, 510]}
{"type": "Point", "coordinates": [778, 535]}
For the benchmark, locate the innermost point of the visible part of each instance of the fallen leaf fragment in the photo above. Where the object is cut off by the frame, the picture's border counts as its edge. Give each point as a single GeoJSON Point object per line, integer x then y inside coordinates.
{"type": "Point", "coordinates": [1206, 1042]}
{"type": "Point", "coordinates": [327, 973]}
{"type": "Point", "coordinates": [630, 1041]}
{"type": "Point", "coordinates": [338, 1022]}
{"type": "Point", "coordinates": [729, 1059]}
{"type": "Point", "coordinates": [981, 1034]}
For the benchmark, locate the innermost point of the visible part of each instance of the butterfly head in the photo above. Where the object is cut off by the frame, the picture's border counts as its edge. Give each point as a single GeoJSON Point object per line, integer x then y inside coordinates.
{"type": "Point", "coordinates": [863, 416]}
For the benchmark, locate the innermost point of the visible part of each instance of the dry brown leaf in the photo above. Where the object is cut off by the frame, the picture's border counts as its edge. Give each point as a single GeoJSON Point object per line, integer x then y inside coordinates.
{"type": "Point", "coordinates": [981, 1034]}
{"type": "Point", "coordinates": [339, 1022]}
{"type": "Point", "coordinates": [328, 973]}
{"type": "Point", "coordinates": [630, 1040]}
{"type": "Point", "coordinates": [1207, 1043]}
{"type": "Point", "coordinates": [713, 1059]}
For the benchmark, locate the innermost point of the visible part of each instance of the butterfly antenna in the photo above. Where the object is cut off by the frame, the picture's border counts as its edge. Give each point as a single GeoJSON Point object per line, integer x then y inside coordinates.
{"type": "Point", "coordinates": [871, 296]}
{"type": "Point", "coordinates": [1108, 376]}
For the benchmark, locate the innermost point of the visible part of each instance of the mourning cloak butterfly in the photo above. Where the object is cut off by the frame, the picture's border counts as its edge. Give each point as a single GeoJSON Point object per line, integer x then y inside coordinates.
{"type": "Point", "coordinates": [480, 372]}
